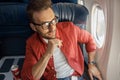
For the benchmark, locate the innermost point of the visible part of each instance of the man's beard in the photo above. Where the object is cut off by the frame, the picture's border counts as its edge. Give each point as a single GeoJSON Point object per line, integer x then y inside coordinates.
{"type": "Point", "coordinates": [47, 36]}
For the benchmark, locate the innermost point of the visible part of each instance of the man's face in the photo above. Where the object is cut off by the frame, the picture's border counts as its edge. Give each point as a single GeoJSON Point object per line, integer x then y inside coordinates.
{"type": "Point", "coordinates": [45, 23]}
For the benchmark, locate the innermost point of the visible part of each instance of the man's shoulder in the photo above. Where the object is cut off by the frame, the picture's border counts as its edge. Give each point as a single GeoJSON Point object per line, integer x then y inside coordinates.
{"type": "Point", "coordinates": [33, 37]}
{"type": "Point", "coordinates": [68, 24]}
{"type": "Point", "coordinates": [65, 23]}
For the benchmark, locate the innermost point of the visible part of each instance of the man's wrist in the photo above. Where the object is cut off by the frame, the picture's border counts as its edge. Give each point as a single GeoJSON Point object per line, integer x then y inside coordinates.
{"type": "Point", "coordinates": [92, 62]}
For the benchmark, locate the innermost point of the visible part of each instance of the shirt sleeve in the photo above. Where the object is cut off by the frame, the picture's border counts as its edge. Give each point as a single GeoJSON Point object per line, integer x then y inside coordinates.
{"type": "Point", "coordinates": [29, 61]}
{"type": "Point", "coordinates": [86, 38]}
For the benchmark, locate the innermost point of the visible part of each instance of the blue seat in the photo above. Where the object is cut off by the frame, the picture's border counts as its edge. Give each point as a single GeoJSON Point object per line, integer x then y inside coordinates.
{"type": "Point", "coordinates": [68, 1]}
{"type": "Point", "coordinates": [53, 1]}
{"type": "Point", "coordinates": [56, 1]}
{"type": "Point", "coordinates": [71, 12]}
{"type": "Point", "coordinates": [14, 29]}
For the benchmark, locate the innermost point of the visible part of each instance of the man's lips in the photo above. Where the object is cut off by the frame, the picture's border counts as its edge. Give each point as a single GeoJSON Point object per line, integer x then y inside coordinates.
{"type": "Point", "coordinates": [51, 33]}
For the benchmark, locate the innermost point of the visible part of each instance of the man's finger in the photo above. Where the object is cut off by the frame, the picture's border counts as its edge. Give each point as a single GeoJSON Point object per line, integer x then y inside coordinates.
{"type": "Point", "coordinates": [91, 76]}
{"type": "Point", "coordinates": [99, 77]}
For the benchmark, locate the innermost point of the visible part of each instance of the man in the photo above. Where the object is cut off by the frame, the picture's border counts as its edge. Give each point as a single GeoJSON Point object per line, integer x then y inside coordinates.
{"type": "Point", "coordinates": [53, 52]}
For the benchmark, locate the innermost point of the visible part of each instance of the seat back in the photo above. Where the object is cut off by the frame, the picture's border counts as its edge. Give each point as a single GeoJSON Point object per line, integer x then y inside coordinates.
{"type": "Point", "coordinates": [71, 12]}
{"type": "Point", "coordinates": [68, 1]}
{"type": "Point", "coordinates": [14, 29]}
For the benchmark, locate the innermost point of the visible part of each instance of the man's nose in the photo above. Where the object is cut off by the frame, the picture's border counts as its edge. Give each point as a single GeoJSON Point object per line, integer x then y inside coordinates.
{"type": "Point", "coordinates": [51, 27]}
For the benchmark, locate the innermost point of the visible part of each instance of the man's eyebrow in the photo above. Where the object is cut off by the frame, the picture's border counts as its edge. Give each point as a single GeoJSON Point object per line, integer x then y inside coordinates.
{"type": "Point", "coordinates": [41, 22]}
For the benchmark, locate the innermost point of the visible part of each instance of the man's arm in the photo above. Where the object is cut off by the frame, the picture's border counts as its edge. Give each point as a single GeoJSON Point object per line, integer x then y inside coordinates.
{"type": "Point", "coordinates": [39, 68]}
{"type": "Point", "coordinates": [85, 37]}
{"type": "Point", "coordinates": [92, 69]}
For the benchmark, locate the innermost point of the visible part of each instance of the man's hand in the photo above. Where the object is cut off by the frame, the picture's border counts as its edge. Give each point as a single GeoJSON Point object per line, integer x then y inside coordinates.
{"type": "Point", "coordinates": [93, 71]}
{"type": "Point", "coordinates": [52, 43]}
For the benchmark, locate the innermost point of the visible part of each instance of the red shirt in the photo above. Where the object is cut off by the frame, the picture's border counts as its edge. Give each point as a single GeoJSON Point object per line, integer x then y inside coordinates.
{"type": "Point", "coordinates": [71, 36]}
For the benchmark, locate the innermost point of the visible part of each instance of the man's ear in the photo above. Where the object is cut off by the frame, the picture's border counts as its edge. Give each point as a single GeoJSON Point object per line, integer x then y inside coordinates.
{"type": "Point", "coordinates": [33, 27]}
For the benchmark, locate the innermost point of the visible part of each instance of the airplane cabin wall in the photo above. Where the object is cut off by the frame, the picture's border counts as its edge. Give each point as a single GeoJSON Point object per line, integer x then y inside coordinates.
{"type": "Point", "coordinates": [113, 68]}
{"type": "Point", "coordinates": [101, 56]}
{"type": "Point", "coordinates": [108, 56]}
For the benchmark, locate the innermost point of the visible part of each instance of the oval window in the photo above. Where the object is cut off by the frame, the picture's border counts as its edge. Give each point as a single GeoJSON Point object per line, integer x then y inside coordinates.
{"type": "Point", "coordinates": [98, 26]}
{"type": "Point", "coordinates": [81, 2]}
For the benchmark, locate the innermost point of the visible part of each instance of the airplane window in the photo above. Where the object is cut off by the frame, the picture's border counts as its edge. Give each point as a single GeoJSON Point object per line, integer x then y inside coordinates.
{"type": "Point", "coordinates": [98, 25]}
{"type": "Point", "coordinates": [81, 2]}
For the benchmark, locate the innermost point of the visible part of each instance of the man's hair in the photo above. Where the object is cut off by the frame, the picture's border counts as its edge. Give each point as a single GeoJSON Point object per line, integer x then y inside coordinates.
{"type": "Point", "coordinates": [37, 5]}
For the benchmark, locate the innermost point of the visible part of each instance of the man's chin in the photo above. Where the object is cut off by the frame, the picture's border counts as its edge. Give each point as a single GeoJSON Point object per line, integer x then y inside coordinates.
{"type": "Point", "coordinates": [49, 37]}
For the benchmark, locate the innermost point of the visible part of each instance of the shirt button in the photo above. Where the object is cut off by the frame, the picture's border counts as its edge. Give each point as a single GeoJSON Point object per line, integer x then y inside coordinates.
{"type": "Point", "coordinates": [54, 75]}
{"type": "Point", "coordinates": [51, 57]}
{"type": "Point", "coordinates": [52, 67]}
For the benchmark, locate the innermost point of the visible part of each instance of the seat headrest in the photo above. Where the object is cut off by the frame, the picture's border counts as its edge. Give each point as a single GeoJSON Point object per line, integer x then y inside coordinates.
{"type": "Point", "coordinates": [71, 12]}
{"type": "Point", "coordinates": [13, 20]}
{"type": "Point", "coordinates": [13, 14]}
{"type": "Point", "coordinates": [68, 1]}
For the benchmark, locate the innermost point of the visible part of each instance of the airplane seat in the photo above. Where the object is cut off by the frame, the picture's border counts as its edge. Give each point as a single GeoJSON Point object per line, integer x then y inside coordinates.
{"type": "Point", "coordinates": [53, 1]}
{"type": "Point", "coordinates": [64, 1]}
{"type": "Point", "coordinates": [71, 12]}
{"type": "Point", "coordinates": [14, 30]}
{"type": "Point", "coordinates": [21, 1]}
{"type": "Point", "coordinates": [56, 1]}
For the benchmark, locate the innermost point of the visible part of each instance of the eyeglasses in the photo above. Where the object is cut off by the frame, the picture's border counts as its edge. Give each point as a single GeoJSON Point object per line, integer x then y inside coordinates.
{"type": "Point", "coordinates": [46, 25]}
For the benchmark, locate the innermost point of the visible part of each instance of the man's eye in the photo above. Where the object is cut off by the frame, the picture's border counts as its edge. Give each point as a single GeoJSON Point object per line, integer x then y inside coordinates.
{"type": "Point", "coordinates": [45, 24]}
{"type": "Point", "coordinates": [54, 21]}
